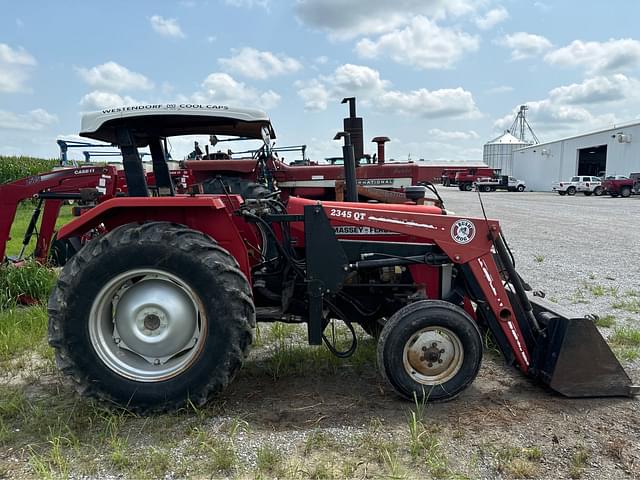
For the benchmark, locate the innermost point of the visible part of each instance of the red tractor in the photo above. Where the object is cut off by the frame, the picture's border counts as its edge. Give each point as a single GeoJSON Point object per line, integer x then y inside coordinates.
{"type": "Point", "coordinates": [219, 171]}
{"type": "Point", "coordinates": [466, 178]}
{"type": "Point", "coordinates": [160, 308]}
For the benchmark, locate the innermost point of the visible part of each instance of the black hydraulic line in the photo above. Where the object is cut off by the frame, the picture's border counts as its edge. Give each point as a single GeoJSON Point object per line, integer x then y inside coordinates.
{"type": "Point", "coordinates": [59, 196]}
{"type": "Point", "coordinates": [31, 228]}
{"type": "Point", "coordinates": [429, 259]}
{"type": "Point", "coordinates": [354, 339]}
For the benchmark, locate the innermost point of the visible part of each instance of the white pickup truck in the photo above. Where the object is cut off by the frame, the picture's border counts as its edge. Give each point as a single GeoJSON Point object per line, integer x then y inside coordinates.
{"type": "Point", "coordinates": [502, 182]}
{"type": "Point", "coordinates": [585, 184]}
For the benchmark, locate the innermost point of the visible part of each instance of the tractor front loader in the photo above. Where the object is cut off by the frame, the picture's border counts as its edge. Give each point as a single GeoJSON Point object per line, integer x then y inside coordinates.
{"type": "Point", "coordinates": [172, 292]}
{"type": "Point", "coordinates": [49, 191]}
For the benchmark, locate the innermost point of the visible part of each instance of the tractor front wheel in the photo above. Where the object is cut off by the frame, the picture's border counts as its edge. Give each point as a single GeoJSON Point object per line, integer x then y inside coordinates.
{"type": "Point", "coordinates": [151, 316]}
{"type": "Point", "coordinates": [431, 349]}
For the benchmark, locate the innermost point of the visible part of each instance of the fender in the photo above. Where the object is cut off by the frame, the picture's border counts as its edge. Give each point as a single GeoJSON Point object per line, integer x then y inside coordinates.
{"type": "Point", "coordinates": [208, 214]}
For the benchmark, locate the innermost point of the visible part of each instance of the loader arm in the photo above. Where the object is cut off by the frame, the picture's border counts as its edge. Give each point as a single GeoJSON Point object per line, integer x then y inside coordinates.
{"type": "Point", "coordinates": [466, 242]}
{"type": "Point", "coordinates": [52, 188]}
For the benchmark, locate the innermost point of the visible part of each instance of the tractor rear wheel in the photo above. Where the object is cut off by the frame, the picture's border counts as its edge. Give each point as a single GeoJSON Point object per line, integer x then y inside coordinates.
{"type": "Point", "coordinates": [151, 316]}
{"type": "Point", "coordinates": [431, 349]}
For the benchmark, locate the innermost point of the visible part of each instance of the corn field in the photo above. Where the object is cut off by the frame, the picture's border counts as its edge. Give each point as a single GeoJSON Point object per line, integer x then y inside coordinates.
{"type": "Point", "coordinates": [12, 168]}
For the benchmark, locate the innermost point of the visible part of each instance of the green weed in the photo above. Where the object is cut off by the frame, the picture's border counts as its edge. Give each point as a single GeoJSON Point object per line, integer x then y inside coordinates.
{"type": "Point", "coordinates": [606, 321]}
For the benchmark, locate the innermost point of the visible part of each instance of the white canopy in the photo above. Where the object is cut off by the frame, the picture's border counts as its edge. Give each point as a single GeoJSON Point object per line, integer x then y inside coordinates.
{"type": "Point", "coordinates": [171, 119]}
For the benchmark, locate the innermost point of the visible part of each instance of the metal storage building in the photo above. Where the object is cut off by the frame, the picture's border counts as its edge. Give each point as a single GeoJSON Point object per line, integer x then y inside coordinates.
{"type": "Point", "coordinates": [498, 153]}
{"type": "Point", "coordinates": [611, 151]}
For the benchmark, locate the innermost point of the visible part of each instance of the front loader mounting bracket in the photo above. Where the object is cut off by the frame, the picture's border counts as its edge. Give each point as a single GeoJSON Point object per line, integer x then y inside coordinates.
{"type": "Point", "coordinates": [326, 266]}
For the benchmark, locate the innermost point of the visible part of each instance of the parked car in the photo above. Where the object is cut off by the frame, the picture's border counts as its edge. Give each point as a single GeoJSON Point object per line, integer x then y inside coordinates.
{"type": "Point", "coordinates": [619, 185]}
{"type": "Point", "coordinates": [585, 184]}
{"type": "Point", "coordinates": [501, 182]}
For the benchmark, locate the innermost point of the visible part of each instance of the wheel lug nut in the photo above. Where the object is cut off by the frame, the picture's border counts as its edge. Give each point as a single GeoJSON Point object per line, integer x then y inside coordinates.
{"type": "Point", "coordinates": [430, 364]}
{"type": "Point", "coordinates": [439, 361]}
{"type": "Point", "coordinates": [156, 361]}
{"type": "Point", "coordinates": [442, 350]}
{"type": "Point", "coordinates": [424, 349]}
{"type": "Point", "coordinates": [434, 344]}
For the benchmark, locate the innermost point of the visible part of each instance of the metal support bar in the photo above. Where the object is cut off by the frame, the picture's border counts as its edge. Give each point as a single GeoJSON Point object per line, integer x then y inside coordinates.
{"type": "Point", "coordinates": [132, 163]}
{"type": "Point", "coordinates": [160, 167]}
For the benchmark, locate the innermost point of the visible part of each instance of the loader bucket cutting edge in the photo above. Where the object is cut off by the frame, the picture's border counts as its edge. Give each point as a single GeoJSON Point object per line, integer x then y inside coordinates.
{"type": "Point", "coordinates": [575, 361]}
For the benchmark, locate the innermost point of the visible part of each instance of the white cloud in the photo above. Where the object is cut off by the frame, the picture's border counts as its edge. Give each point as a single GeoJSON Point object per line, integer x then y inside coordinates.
{"type": "Point", "coordinates": [253, 63]}
{"type": "Point", "coordinates": [16, 65]}
{"type": "Point", "coordinates": [598, 90]}
{"type": "Point", "coordinates": [114, 77]}
{"type": "Point", "coordinates": [346, 81]}
{"type": "Point", "coordinates": [223, 88]}
{"type": "Point", "coordinates": [524, 45]}
{"type": "Point", "coordinates": [167, 27]}
{"type": "Point", "coordinates": [421, 44]}
{"type": "Point", "coordinates": [438, 134]}
{"type": "Point", "coordinates": [98, 100]}
{"type": "Point", "coordinates": [366, 84]}
{"type": "Point", "coordinates": [314, 94]}
{"type": "Point", "coordinates": [610, 56]}
{"type": "Point", "coordinates": [34, 120]}
{"type": "Point", "coordinates": [492, 18]}
{"type": "Point", "coordinates": [343, 20]}
{"type": "Point", "coordinates": [446, 102]}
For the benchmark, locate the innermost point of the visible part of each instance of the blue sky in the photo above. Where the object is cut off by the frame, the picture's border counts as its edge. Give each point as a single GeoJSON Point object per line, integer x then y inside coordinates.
{"type": "Point", "coordinates": [439, 77]}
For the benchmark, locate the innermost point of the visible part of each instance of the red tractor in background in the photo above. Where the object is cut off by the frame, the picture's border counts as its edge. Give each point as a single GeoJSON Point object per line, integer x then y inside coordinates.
{"type": "Point", "coordinates": [466, 178]}
{"type": "Point", "coordinates": [172, 285]}
{"type": "Point", "coordinates": [311, 179]}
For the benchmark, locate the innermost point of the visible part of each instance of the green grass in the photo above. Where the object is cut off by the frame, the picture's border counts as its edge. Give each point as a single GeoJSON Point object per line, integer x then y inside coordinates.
{"type": "Point", "coordinates": [23, 329]}
{"type": "Point", "coordinates": [606, 321]}
{"type": "Point", "coordinates": [269, 461]}
{"type": "Point", "coordinates": [626, 343]}
{"type": "Point", "coordinates": [30, 283]}
{"type": "Point", "coordinates": [579, 460]}
{"type": "Point", "coordinates": [629, 304]}
{"type": "Point", "coordinates": [21, 222]}
{"type": "Point", "coordinates": [292, 357]}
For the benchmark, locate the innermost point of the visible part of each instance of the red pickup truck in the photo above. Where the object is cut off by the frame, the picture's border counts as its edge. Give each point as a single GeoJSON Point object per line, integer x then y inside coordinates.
{"type": "Point", "coordinates": [620, 185]}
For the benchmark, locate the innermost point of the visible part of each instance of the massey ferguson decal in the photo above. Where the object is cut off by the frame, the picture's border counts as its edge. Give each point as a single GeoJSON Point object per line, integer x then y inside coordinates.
{"type": "Point", "coordinates": [463, 231]}
{"type": "Point", "coordinates": [353, 230]}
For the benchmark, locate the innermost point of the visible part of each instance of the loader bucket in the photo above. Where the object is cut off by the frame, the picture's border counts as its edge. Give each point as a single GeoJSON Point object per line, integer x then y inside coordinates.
{"type": "Point", "coordinates": [574, 359]}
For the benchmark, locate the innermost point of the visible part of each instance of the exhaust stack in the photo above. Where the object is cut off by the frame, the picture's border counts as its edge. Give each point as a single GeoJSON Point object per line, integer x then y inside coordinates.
{"type": "Point", "coordinates": [353, 126]}
{"type": "Point", "coordinates": [380, 141]}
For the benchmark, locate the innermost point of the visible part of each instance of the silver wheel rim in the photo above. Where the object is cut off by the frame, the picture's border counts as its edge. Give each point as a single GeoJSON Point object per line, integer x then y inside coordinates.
{"type": "Point", "coordinates": [433, 355]}
{"type": "Point", "coordinates": [147, 325]}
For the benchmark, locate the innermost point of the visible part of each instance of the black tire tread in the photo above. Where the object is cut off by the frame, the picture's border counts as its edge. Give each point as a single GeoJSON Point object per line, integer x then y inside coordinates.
{"type": "Point", "coordinates": [389, 327]}
{"type": "Point", "coordinates": [199, 246]}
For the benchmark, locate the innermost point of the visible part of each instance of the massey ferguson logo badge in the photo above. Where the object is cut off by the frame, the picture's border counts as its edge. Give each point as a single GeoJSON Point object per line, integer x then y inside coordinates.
{"type": "Point", "coordinates": [463, 231]}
